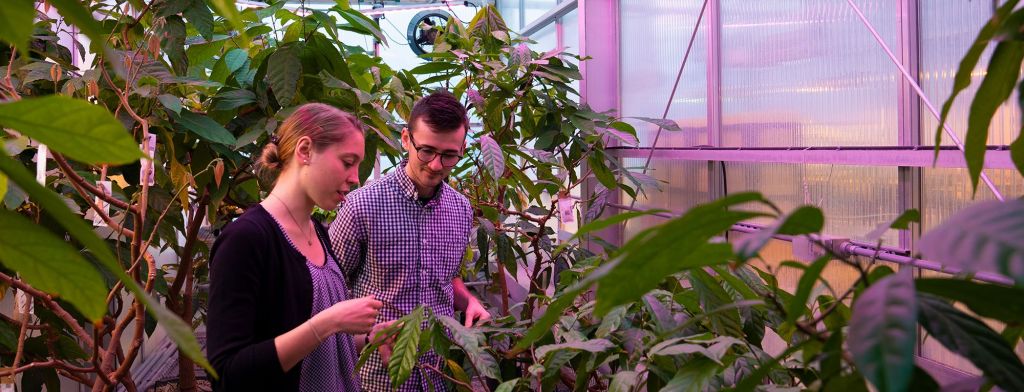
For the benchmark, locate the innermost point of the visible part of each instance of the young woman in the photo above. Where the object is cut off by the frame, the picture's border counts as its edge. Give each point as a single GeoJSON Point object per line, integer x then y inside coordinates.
{"type": "Point", "coordinates": [279, 316]}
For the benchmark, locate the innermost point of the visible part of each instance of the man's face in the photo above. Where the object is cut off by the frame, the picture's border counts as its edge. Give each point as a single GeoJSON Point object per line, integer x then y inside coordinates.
{"type": "Point", "coordinates": [419, 138]}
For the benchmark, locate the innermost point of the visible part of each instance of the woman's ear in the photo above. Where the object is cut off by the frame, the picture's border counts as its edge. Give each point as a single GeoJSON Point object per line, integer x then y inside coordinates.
{"type": "Point", "coordinates": [303, 150]}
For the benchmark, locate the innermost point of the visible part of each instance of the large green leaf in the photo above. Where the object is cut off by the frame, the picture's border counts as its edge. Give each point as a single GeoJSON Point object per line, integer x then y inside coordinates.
{"type": "Point", "coordinates": [492, 157]}
{"type": "Point", "coordinates": [967, 64]}
{"type": "Point", "coordinates": [986, 236]}
{"type": "Point", "coordinates": [283, 70]}
{"type": "Point", "coordinates": [16, 17]}
{"type": "Point", "coordinates": [470, 341]}
{"type": "Point", "coordinates": [883, 331]}
{"type": "Point", "coordinates": [798, 305]}
{"type": "Point", "coordinates": [177, 329]}
{"type": "Point", "coordinates": [972, 339]}
{"type": "Point", "coordinates": [199, 15]}
{"type": "Point", "coordinates": [403, 358]}
{"type": "Point", "coordinates": [592, 345]}
{"type": "Point", "coordinates": [233, 99]}
{"type": "Point", "coordinates": [205, 128]}
{"type": "Point", "coordinates": [51, 265]}
{"type": "Point", "coordinates": [229, 11]}
{"type": "Point", "coordinates": [362, 24]}
{"type": "Point", "coordinates": [694, 376]}
{"type": "Point", "coordinates": [666, 124]}
{"type": "Point", "coordinates": [85, 132]}
{"type": "Point", "coordinates": [77, 14]}
{"type": "Point", "coordinates": [803, 220]}
{"type": "Point", "coordinates": [713, 297]}
{"type": "Point", "coordinates": [1002, 303]}
{"type": "Point", "coordinates": [676, 245]}
{"type": "Point", "coordinates": [603, 223]}
{"type": "Point", "coordinates": [996, 88]}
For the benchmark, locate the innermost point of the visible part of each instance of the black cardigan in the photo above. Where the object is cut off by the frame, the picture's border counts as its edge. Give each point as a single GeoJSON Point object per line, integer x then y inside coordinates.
{"type": "Point", "coordinates": [260, 288]}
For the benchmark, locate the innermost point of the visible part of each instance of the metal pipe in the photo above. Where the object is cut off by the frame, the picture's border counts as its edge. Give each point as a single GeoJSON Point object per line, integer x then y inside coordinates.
{"type": "Point", "coordinates": [889, 254]}
{"type": "Point", "coordinates": [910, 79]}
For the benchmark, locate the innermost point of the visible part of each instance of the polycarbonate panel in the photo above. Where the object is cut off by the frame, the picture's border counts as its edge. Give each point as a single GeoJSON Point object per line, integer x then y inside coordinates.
{"type": "Point", "coordinates": [948, 190]}
{"type": "Point", "coordinates": [684, 184]}
{"type": "Point", "coordinates": [807, 73]}
{"type": "Point", "coordinates": [546, 38]}
{"type": "Point", "coordinates": [510, 11]}
{"type": "Point", "coordinates": [854, 199]}
{"type": "Point", "coordinates": [653, 38]}
{"type": "Point", "coordinates": [947, 30]}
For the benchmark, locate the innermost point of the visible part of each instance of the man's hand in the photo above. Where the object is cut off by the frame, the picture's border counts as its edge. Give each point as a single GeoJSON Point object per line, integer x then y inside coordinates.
{"type": "Point", "coordinates": [386, 342]}
{"type": "Point", "coordinates": [475, 312]}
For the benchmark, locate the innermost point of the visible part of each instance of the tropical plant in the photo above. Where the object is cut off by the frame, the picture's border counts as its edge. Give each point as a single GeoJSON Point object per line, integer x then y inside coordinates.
{"type": "Point", "coordinates": [199, 85]}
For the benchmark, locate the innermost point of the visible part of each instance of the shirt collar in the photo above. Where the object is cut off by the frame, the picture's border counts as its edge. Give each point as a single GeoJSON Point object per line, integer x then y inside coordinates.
{"type": "Point", "coordinates": [408, 188]}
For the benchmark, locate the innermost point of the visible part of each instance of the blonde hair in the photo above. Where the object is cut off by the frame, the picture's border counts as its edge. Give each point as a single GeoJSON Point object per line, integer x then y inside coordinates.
{"type": "Point", "coordinates": [324, 124]}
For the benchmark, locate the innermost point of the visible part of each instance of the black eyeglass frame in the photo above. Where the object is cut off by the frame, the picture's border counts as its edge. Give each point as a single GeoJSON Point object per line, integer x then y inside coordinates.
{"type": "Point", "coordinates": [429, 154]}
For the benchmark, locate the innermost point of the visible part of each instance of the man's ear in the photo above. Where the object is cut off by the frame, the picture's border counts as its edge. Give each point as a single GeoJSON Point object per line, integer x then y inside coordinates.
{"type": "Point", "coordinates": [405, 139]}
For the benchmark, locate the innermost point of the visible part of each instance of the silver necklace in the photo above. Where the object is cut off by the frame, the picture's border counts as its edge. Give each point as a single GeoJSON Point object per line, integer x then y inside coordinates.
{"type": "Point", "coordinates": [309, 241]}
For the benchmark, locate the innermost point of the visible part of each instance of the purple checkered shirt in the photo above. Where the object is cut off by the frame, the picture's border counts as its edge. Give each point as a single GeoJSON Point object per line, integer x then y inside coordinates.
{"type": "Point", "coordinates": [405, 253]}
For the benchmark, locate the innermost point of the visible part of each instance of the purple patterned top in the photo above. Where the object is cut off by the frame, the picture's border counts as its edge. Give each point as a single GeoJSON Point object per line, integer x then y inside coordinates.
{"type": "Point", "coordinates": [331, 366]}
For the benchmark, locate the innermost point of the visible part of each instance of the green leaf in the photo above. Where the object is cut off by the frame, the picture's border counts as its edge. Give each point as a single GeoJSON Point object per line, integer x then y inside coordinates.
{"type": "Point", "coordinates": [883, 331]}
{"type": "Point", "coordinates": [901, 222]}
{"type": "Point", "coordinates": [51, 265]}
{"type": "Point", "coordinates": [75, 13]}
{"type": "Point", "coordinates": [84, 132]}
{"type": "Point", "coordinates": [714, 297]}
{"type": "Point", "coordinates": [803, 220]}
{"type": "Point", "coordinates": [469, 341]}
{"type": "Point", "coordinates": [492, 157]}
{"type": "Point", "coordinates": [604, 223]}
{"type": "Point", "coordinates": [363, 24]}
{"type": "Point", "coordinates": [592, 346]}
{"type": "Point", "coordinates": [205, 128]}
{"type": "Point", "coordinates": [986, 236]}
{"type": "Point", "coordinates": [624, 381]}
{"type": "Point", "coordinates": [227, 9]}
{"type": "Point", "coordinates": [972, 339]}
{"type": "Point", "coordinates": [16, 17]}
{"type": "Point", "coordinates": [694, 376]}
{"type": "Point", "coordinates": [199, 15]}
{"type": "Point", "coordinates": [177, 330]}
{"type": "Point", "coordinates": [234, 59]}
{"type": "Point", "coordinates": [435, 67]}
{"type": "Point", "coordinates": [506, 256]}
{"type": "Point", "coordinates": [170, 102]}
{"type": "Point", "coordinates": [1002, 303]}
{"type": "Point", "coordinates": [284, 69]}
{"type": "Point", "coordinates": [967, 64]}
{"type": "Point", "coordinates": [233, 99]}
{"type": "Point", "coordinates": [798, 304]}
{"type": "Point", "coordinates": [676, 245]}
{"type": "Point", "coordinates": [666, 124]}
{"type": "Point", "coordinates": [601, 171]}
{"type": "Point", "coordinates": [1017, 147]}
{"type": "Point", "coordinates": [1003, 70]}
{"type": "Point", "coordinates": [542, 326]}
{"type": "Point", "coordinates": [403, 356]}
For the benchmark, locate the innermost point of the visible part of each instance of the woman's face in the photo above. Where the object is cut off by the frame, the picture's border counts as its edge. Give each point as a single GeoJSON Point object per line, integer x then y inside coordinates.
{"type": "Point", "coordinates": [333, 171]}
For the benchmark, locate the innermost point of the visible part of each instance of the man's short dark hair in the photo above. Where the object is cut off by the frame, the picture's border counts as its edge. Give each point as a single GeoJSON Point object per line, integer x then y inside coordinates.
{"type": "Point", "coordinates": [441, 111]}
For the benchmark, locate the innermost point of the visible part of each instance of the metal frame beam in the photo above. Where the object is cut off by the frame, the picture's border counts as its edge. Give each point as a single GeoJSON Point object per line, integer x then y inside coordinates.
{"type": "Point", "coordinates": [998, 158]}
{"type": "Point", "coordinates": [552, 16]}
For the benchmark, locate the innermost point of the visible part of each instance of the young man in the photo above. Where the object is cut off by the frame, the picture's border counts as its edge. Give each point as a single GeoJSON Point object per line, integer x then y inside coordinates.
{"type": "Point", "coordinates": [402, 237]}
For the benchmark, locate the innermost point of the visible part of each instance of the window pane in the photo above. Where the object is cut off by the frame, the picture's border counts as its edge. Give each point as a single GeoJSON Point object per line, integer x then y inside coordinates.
{"type": "Point", "coordinates": [654, 36]}
{"type": "Point", "coordinates": [684, 185]}
{"type": "Point", "coordinates": [807, 73]}
{"type": "Point", "coordinates": [948, 190]}
{"type": "Point", "coordinates": [855, 199]}
{"type": "Point", "coordinates": [948, 29]}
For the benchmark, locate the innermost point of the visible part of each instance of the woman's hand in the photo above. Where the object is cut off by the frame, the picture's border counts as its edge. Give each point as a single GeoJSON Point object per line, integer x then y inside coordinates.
{"type": "Point", "coordinates": [354, 316]}
{"type": "Point", "coordinates": [386, 342]}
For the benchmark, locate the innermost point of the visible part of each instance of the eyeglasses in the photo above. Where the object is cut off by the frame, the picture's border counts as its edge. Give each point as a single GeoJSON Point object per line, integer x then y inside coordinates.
{"type": "Point", "coordinates": [427, 155]}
